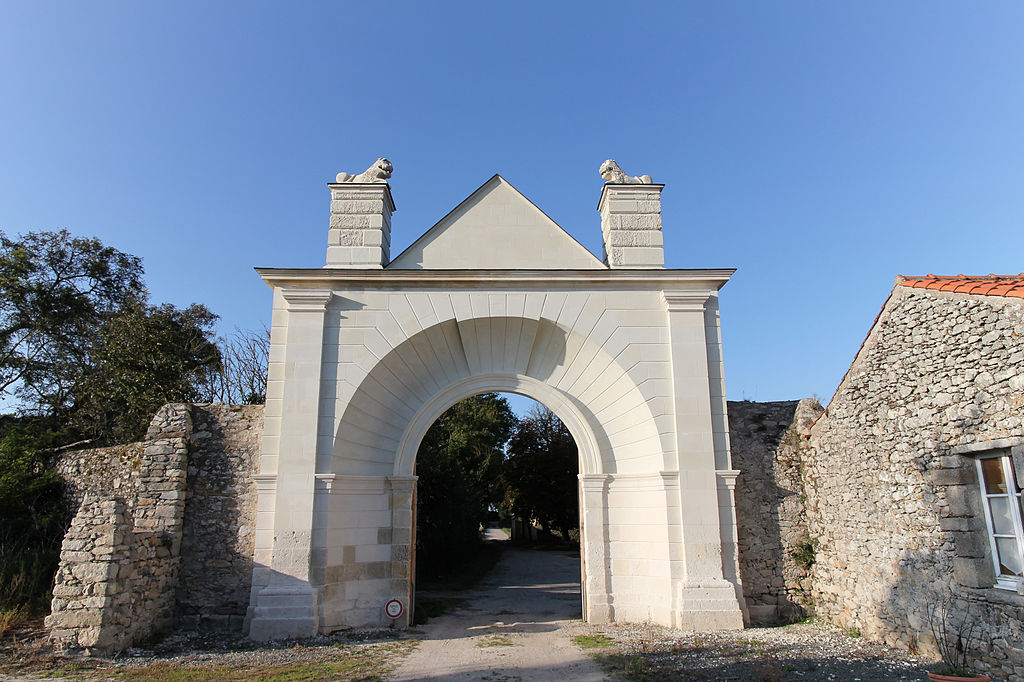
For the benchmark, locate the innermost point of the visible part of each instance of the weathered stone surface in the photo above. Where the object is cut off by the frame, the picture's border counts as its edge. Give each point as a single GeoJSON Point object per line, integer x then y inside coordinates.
{"type": "Point", "coordinates": [894, 511]}
{"type": "Point", "coordinates": [155, 537]}
{"type": "Point", "coordinates": [767, 441]}
{"type": "Point", "coordinates": [631, 225]}
{"type": "Point", "coordinates": [611, 172]}
{"type": "Point", "coordinates": [220, 516]}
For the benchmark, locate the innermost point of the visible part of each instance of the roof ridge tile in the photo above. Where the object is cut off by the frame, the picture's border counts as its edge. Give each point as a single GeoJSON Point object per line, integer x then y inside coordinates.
{"type": "Point", "coordinates": [980, 285]}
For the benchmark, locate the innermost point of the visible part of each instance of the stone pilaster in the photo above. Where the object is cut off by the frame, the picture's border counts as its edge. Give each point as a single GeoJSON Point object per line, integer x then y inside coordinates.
{"type": "Point", "coordinates": [403, 502]}
{"type": "Point", "coordinates": [360, 232]}
{"type": "Point", "coordinates": [289, 603]}
{"type": "Point", "coordinates": [594, 546]}
{"type": "Point", "coordinates": [631, 225]}
{"type": "Point", "coordinates": [706, 599]}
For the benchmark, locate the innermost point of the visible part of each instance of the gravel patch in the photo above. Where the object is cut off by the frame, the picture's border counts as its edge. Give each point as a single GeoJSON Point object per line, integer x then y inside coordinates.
{"type": "Point", "coordinates": [805, 651]}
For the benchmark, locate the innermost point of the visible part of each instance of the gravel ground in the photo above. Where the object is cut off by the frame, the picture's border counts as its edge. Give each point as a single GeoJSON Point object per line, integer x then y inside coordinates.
{"type": "Point", "coordinates": [29, 657]}
{"type": "Point", "coordinates": [807, 651]}
{"type": "Point", "coordinates": [634, 652]}
{"type": "Point", "coordinates": [521, 623]}
{"type": "Point", "coordinates": [516, 625]}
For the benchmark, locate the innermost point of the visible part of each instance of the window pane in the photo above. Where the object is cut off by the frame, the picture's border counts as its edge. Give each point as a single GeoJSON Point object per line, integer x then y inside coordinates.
{"type": "Point", "coordinates": [1009, 556]}
{"type": "Point", "coordinates": [1002, 521]}
{"type": "Point", "coordinates": [992, 470]}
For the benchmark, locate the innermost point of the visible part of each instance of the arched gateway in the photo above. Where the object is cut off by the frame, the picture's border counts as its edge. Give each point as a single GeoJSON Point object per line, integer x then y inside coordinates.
{"type": "Point", "coordinates": [367, 352]}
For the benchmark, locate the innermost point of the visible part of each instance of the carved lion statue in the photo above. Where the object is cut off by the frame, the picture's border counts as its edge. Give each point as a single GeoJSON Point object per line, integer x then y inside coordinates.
{"type": "Point", "coordinates": [380, 171]}
{"type": "Point", "coordinates": [611, 172]}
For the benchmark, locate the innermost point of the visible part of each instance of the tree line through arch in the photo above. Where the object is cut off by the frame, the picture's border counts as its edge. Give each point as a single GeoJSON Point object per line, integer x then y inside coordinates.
{"type": "Point", "coordinates": [479, 463]}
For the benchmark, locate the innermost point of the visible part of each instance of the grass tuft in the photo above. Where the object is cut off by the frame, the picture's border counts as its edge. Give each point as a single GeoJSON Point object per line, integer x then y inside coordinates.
{"type": "Point", "coordinates": [495, 640]}
{"type": "Point", "coordinates": [12, 618]}
{"type": "Point", "coordinates": [592, 641]}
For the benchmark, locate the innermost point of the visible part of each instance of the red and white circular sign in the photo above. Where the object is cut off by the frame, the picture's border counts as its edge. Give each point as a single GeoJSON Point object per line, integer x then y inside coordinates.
{"type": "Point", "coordinates": [394, 608]}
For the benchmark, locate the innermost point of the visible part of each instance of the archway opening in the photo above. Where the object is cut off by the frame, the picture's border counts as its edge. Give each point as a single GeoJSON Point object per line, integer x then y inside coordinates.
{"type": "Point", "coordinates": [497, 511]}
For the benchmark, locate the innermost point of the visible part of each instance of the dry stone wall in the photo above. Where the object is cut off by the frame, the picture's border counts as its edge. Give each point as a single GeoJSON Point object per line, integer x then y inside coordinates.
{"type": "Point", "coordinates": [892, 497]}
{"type": "Point", "coordinates": [163, 532]}
{"type": "Point", "coordinates": [767, 442]}
{"type": "Point", "coordinates": [119, 560]}
{"type": "Point", "coordinates": [110, 471]}
{"type": "Point", "coordinates": [220, 517]}
{"type": "Point", "coordinates": [92, 595]}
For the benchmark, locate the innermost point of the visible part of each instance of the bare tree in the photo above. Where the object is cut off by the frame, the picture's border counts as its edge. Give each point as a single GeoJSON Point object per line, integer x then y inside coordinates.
{"type": "Point", "coordinates": [243, 379]}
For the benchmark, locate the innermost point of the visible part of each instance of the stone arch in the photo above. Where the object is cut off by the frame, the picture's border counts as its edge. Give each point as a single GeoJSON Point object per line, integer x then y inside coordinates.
{"type": "Point", "coordinates": [368, 351]}
{"type": "Point", "coordinates": [404, 391]}
{"type": "Point", "coordinates": [563, 407]}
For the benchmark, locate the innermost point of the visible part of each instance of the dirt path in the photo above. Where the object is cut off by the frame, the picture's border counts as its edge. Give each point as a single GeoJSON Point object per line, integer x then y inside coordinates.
{"type": "Point", "coordinates": [515, 625]}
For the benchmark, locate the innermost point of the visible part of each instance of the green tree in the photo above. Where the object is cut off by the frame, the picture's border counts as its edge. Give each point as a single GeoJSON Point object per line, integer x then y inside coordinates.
{"type": "Point", "coordinates": [459, 468]}
{"type": "Point", "coordinates": [34, 519]}
{"type": "Point", "coordinates": [87, 357]}
{"type": "Point", "coordinates": [144, 357]}
{"type": "Point", "coordinates": [55, 292]}
{"type": "Point", "coordinates": [540, 473]}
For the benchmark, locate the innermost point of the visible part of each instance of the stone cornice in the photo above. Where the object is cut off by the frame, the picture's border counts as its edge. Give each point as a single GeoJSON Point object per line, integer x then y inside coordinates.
{"type": "Point", "coordinates": [265, 483]}
{"type": "Point", "coordinates": [679, 281]}
{"type": "Point", "coordinates": [594, 482]}
{"type": "Point", "coordinates": [627, 188]}
{"type": "Point", "coordinates": [375, 187]}
{"type": "Point", "coordinates": [322, 483]}
{"type": "Point", "coordinates": [307, 300]}
{"type": "Point", "coordinates": [685, 301]}
{"type": "Point", "coordinates": [727, 477]}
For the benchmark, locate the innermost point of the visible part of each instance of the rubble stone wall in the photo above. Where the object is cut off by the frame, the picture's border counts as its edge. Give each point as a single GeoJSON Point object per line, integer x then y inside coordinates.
{"type": "Point", "coordinates": [163, 534]}
{"type": "Point", "coordinates": [220, 517]}
{"type": "Point", "coordinates": [101, 471]}
{"type": "Point", "coordinates": [119, 560]}
{"type": "Point", "coordinates": [893, 504]}
{"type": "Point", "coordinates": [92, 592]}
{"type": "Point", "coordinates": [767, 443]}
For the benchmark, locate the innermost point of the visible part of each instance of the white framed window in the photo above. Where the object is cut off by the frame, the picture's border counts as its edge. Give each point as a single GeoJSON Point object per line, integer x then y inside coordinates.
{"type": "Point", "coordinates": [1001, 497]}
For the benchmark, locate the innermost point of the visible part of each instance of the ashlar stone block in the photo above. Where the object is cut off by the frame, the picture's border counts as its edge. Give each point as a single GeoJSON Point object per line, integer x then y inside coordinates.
{"type": "Point", "coordinates": [360, 225]}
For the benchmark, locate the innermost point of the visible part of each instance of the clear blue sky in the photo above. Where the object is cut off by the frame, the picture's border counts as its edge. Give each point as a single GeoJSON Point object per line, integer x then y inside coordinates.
{"type": "Point", "coordinates": [820, 148]}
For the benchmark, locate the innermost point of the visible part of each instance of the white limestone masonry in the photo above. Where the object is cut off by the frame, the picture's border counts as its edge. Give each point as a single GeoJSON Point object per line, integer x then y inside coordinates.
{"type": "Point", "coordinates": [495, 228]}
{"type": "Point", "coordinates": [496, 297]}
{"type": "Point", "coordinates": [360, 229]}
{"type": "Point", "coordinates": [315, 534]}
{"type": "Point", "coordinates": [631, 225]}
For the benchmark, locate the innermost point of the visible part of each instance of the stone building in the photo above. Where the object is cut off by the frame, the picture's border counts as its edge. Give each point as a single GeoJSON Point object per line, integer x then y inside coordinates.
{"type": "Point", "coordinates": [912, 476]}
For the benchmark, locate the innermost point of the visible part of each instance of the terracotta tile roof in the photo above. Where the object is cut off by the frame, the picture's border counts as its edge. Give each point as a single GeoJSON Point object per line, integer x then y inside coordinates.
{"type": "Point", "coordinates": [986, 285]}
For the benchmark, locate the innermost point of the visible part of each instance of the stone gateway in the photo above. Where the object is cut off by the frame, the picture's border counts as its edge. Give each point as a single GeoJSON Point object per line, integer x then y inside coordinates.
{"type": "Point", "coordinates": [369, 350]}
{"type": "Point", "coordinates": [299, 518]}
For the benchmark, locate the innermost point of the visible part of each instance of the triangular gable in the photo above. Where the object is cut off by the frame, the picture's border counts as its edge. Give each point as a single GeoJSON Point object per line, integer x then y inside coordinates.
{"type": "Point", "coordinates": [496, 228]}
